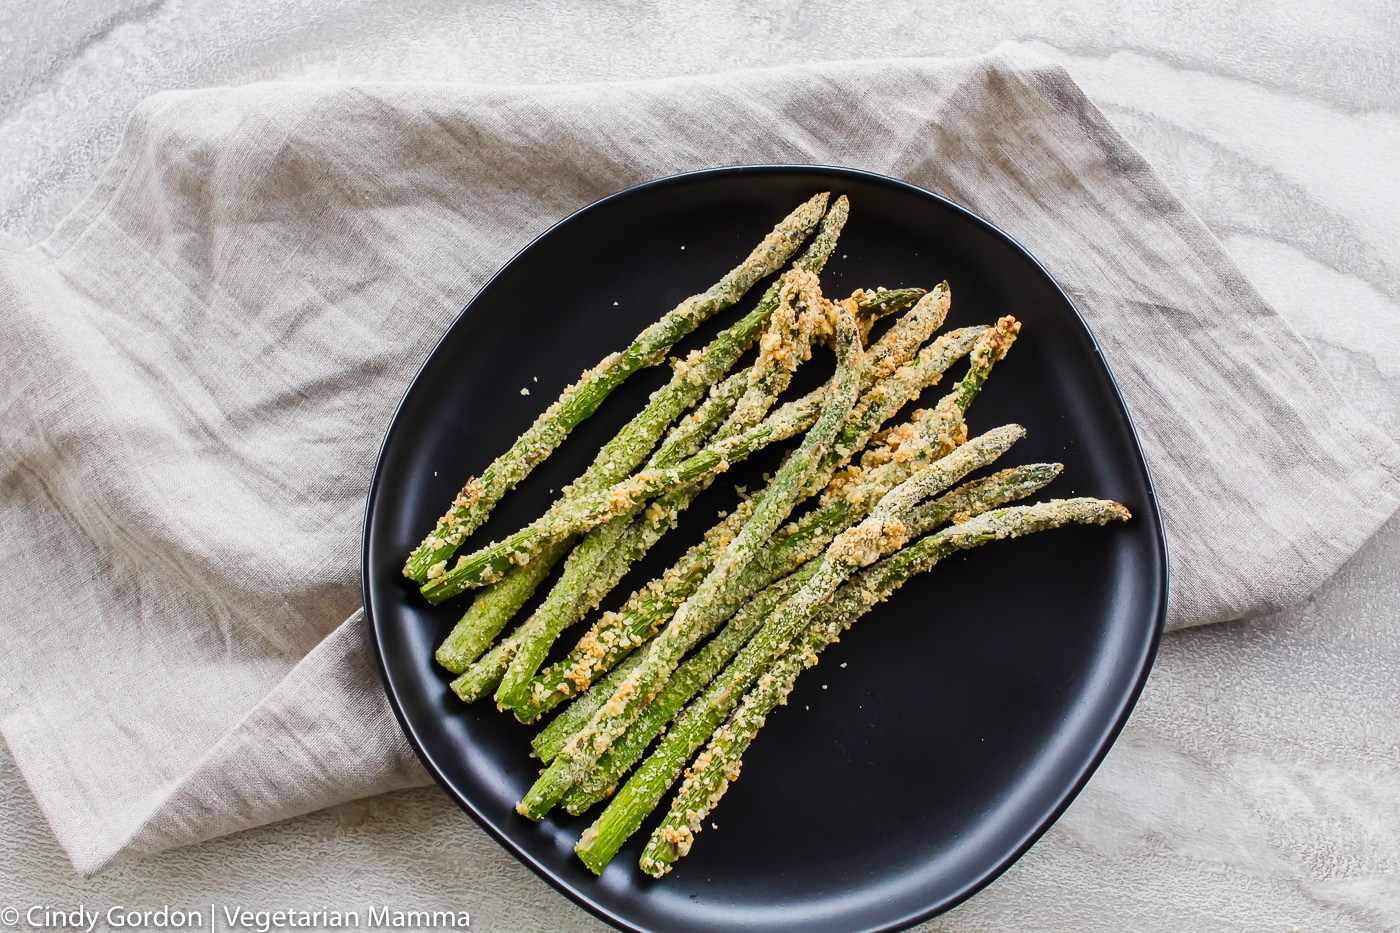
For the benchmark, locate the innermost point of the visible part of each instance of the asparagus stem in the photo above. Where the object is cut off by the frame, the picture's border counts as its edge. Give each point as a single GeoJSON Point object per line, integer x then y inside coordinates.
{"type": "Point", "coordinates": [480, 494]}
{"type": "Point", "coordinates": [493, 607]}
{"type": "Point", "coordinates": [802, 316]}
{"type": "Point", "coordinates": [575, 716]}
{"type": "Point", "coordinates": [902, 341]}
{"type": "Point", "coordinates": [594, 567]}
{"type": "Point", "coordinates": [593, 509]}
{"type": "Point", "coordinates": [617, 634]}
{"type": "Point", "coordinates": [969, 499]}
{"type": "Point", "coordinates": [716, 767]}
{"type": "Point", "coordinates": [880, 533]}
{"type": "Point", "coordinates": [604, 555]}
{"type": "Point", "coordinates": [689, 679]}
{"type": "Point", "coordinates": [694, 619]}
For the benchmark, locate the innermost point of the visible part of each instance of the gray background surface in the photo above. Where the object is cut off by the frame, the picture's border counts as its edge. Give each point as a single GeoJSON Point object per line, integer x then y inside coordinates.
{"type": "Point", "coordinates": [1257, 786]}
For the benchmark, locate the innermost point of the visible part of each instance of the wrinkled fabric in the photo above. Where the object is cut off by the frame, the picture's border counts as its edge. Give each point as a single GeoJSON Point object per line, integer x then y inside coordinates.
{"type": "Point", "coordinates": [199, 364]}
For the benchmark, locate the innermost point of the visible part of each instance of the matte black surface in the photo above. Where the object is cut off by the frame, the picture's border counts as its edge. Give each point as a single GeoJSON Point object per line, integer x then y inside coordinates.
{"type": "Point", "coordinates": [974, 704]}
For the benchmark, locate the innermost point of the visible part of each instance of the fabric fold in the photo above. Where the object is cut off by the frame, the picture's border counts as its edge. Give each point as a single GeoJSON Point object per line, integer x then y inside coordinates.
{"type": "Point", "coordinates": [199, 364]}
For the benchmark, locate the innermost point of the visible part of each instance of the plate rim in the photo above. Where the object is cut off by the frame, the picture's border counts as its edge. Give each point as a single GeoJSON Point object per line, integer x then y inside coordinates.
{"type": "Point", "coordinates": [1090, 767]}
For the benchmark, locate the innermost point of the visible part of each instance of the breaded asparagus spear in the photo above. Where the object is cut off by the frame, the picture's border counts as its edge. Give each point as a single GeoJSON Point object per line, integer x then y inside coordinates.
{"type": "Point", "coordinates": [971, 498]}
{"type": "Point", "coordinates": [718, 765]}
{"type": "Point", "coordinates": [569, 517]}
{"type": "Point", "coordinates": [688, 680]}
{"type": "Point", "coordinates": [898, 346]}
{"type": "Point", "coordinates": [696, 618]}
{"type": "Point", "coordinates": [606, 552]}
{"type": "Point", "coordinates": [883, 531]}
{"type": "Point", "coordinates": [484, 620]}
{"type": "Point", "coordinates": [480, 494]}
{"type": "Point", "coordinates": [937, 430]}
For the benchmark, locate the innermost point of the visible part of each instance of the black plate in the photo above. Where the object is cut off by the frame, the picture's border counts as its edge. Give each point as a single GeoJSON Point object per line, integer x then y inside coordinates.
{"type": "Point", "coordinates": [973, 706]}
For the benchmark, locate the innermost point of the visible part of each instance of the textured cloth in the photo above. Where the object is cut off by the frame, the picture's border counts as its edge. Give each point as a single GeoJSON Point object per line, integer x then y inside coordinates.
{"type": "Point", "coordinates": [199, 364]}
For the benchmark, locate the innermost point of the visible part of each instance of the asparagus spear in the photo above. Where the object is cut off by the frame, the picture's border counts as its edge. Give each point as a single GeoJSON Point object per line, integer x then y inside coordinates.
{"type": "Point", "coordinates": [585, 504]}
{"type": "Point", "coordinates": [480, 494]}
{"type": "Point", "coordinates": [718, 765]}
{"type": "Point", "coordinates": [590, 510]}
{"type": "Point", "coordinates": [689, 679]}
{"type": "Point", "coordinates": [876, 303]}
{"type": "Point", "coordinates": [799, 318]}
{"type": "Point", "coordinates": [967, 500]}
{"type": "Point", "coordinates": [883, 530]}
{"type": "Point", "coordinates": [691, 433]}
{"type": "Point", "coordinates": [547, 742]}
{"type": "Point", "coordinates": [693, 621]}
{"type": "Point", "coordinates": [903, 340]}
{"type": "Point", "coordinates": [495, 605]}
{"type": "Point", "coordinates": [594, 567]}
{"type": "Point", "coordinates": [617, 634]}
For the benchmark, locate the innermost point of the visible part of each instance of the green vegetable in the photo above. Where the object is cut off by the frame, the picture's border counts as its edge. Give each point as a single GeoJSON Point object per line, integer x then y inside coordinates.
{"type": "Point", "coordinates": [480, 494]}
{"type": "Point", "coordinates": [719, 763]}
{"type": "Point", "coordinates": [593, 509]}
{"type": "Point", "coordinates": [606, 552]}
{"type": "Point", "coordinates": [880, 533]}
{"type": "Point", "coordinates": [695, 619]}
{"type": "Point", "coordinates": [617, 634]}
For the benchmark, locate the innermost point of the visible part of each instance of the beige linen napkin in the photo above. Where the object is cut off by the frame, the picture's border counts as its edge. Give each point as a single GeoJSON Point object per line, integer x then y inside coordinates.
{"type": "Point", "coordinates": [199, 364]}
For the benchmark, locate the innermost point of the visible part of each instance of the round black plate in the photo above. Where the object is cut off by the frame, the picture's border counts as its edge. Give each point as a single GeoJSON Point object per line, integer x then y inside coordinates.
{"type": "Point", "coordinates": [950, 727]}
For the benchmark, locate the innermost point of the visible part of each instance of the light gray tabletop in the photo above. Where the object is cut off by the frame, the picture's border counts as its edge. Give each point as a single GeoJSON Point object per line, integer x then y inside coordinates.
{"type": "Point", "coordinates": [1257, 786]}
